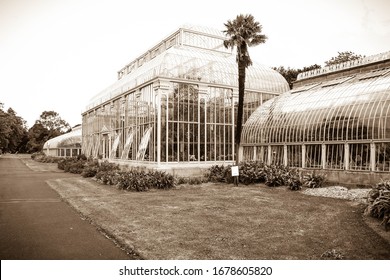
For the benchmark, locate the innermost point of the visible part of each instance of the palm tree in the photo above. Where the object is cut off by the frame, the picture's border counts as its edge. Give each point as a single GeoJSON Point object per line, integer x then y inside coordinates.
{"type": "Point", "coordinates": [242, 32]}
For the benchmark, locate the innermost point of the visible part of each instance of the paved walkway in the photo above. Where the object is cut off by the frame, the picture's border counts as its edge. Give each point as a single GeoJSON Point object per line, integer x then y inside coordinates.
{"type": "Point", "coordinates": [36, 224]}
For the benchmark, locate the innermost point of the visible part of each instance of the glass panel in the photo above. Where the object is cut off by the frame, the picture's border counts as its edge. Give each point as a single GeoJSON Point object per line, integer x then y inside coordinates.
{"type": "Point", "coordinates": [359, 156]}
{"type": "Point", "coordinates": [313, 156]}
{"type": "Point", "coordinates": [248, 153]}
{"type": "Point", "coordinates": [294, 155]}
{"type": "Point", "coordinates": [277, 156]}
{"type": "Point", "coordinates": [335, 156]}
{"type": "Point", "coordinates": [382, 156]}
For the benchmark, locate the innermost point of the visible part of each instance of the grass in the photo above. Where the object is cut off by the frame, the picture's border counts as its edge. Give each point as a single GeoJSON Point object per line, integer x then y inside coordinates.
{"type": "Point", "coordinates": [219, 221]}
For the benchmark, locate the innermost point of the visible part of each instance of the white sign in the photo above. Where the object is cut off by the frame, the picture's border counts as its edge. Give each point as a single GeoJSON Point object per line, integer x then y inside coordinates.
{"type": "Point", "coordinates": [235, 171]}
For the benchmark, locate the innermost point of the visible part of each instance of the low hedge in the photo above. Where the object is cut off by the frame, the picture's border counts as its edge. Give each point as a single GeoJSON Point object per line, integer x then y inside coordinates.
{"type": "Point", "coordinates": [110, 174]}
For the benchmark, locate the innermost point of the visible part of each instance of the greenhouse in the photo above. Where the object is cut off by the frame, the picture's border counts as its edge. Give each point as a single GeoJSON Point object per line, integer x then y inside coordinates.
{"type": "Point", "coordinates": [65, 145]}
{"type": "Point", "coordinates": [176, 103]}
{"type": "Point", "coordinates": [335, 118]}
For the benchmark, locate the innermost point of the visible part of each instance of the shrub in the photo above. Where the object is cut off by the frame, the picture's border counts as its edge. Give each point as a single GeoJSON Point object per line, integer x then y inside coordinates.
{"type": "Point", "coordinates": [105, 172]}
{"type": "Point", "coordinates": [64, 162]}
{"type": "Point", "coordinates": [72, 165]}
{"type": "Point", "coordinates": [90, 169]}
{"type": "Point", "coordinates": [41, 157]}
{"type": "Point", "coordinates": [108, 166]}
{"type": "Point", "coordinates": [81, 157]}
{"type": "Point", "coordinates": [76, 167]}
{"type": "Point", "coordinates": [294, 181]}
{"type": "Point", "coordinates": [108, 177]}
{"type": "Point", "coordinates": [220, 173]}
{"type": "Point", "coordinates": [196, 181]}
{"type": "Point", "coordinates": [181, 180]}
{"type": "Point", "coordinates": [252, 172]}
{"type": "Point", "coordinates": [275, 176]}
{"type": "Point", "coordinates": [135, 180]}
{"type": "Point", "coordinates": [379, 202]}
{"type": "Point", "coordinates": [313, 180]}
{"type": "Point", "coordinates": [161, 180]}
{"type": "Point", "coordinates": [37, 155]}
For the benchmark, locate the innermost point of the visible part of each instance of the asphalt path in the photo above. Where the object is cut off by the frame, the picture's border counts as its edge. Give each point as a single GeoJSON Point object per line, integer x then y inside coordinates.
{"type": "Point", "coordinates": [35, 224]}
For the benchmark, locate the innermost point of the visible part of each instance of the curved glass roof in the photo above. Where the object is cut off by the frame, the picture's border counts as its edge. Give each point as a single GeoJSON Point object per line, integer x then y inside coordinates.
{"type": "Point", "coordinates": [349, 108]}
{"type": "Point", "coordinates": [70, 139]}
{"type": "Point", "coordinates": [205, 66]}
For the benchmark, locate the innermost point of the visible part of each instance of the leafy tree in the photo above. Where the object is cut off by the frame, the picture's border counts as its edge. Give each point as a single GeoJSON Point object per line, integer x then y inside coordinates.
{"type": "Point", "coordinates": [242, 32]}
{"type": "Point", "coordinates": [13, 131]}
{"type": "Point", "coordinates": [343, 57]}
{"type": "Point", "coordinates": [37, 136]}
{"type": "Point", "coordinates": [52, 122]}
{"type": "Point", "coordinates": [48, 126]}
{"type": "Point", "coordinates": [291, 74]}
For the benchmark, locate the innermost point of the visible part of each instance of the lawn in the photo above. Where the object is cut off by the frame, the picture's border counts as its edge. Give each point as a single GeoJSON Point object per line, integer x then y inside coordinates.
{"type": "Point", "coordinates": [220, 221]}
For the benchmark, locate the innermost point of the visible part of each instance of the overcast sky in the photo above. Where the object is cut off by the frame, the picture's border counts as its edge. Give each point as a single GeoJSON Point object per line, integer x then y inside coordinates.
{"type": "Point", "coordinates": [57, 54]}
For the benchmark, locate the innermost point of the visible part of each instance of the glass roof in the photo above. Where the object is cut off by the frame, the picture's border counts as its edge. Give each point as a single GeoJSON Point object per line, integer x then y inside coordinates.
{"type": "Point", "coordinates": [199, 65]}
{"type": "Point", "coordinates": [350, 108]}
{"type": "Point", "coordinates": [70, 139]}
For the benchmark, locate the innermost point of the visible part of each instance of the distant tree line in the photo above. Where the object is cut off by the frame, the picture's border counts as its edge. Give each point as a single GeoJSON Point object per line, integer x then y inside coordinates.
{"type": "Point", "coordinates": [291, 74]}
{"type": "Point", "coordinates": [15, 137]}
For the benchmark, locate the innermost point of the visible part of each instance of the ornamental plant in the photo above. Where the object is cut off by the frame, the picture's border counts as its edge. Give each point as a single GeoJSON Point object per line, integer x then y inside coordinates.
{"type": "Point", "coordinates": [252, 172]}
{"type": "Point", "coordinates": [379, 202]}
{"type": "Point", "coordinates": [314, 180]}
{"type": "Point", "coordinates": [275, 176]}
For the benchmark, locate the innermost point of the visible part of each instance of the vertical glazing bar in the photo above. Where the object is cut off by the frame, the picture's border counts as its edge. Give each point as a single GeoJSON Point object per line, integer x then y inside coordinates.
{"type": "Point", "coordinates": [323, 156]}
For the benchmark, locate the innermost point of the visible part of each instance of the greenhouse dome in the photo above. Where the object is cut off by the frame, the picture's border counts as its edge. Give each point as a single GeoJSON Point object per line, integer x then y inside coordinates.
{"type": "Point", "coordinates": [334, 118]}
{"type": "Point", "coordinates": [65, 145]}
{"type": "Point", "coordinates": [176, 103]}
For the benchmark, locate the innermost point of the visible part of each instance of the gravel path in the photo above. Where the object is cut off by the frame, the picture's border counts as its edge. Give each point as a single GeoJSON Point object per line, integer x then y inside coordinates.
{"type": "Point", "coordinates": [359, 195]}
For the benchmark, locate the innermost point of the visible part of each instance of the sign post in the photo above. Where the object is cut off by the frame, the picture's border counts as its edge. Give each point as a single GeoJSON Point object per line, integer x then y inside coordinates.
{"type": "Point", "coordinates": [235, 174]}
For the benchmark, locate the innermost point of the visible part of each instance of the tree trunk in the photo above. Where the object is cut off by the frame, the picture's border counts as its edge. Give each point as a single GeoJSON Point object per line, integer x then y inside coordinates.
{"type": "Point", "coordinates": [240, 109]}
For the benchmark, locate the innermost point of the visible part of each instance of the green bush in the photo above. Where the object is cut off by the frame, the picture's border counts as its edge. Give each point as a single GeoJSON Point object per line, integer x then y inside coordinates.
{"type": "Point", "coordinates": [139, 180]}
{"type": "Point", "coordinates": [220, 173]}
{"type": "Point", "coordinates": [90, 169]}
{"type": "Point", "coordinates": [133, 181]}
{"type": "Point", "coordinates": [294, 183]}
{"type": "Point", "coordinates": [37, 155]}
{"type": "Point", "coordinates": [379, 202]}
{"type": "Point", "coordinates": [161, 180]}
{"type": "Point", "coordinates": [64, 162]}
{"type": "Point", "coordinates": [108, 177]}
{"type": "Point", "coordinates": [82, 157]}
{"type": "Point", "coordinates": [276, 175]}
{"type": "Point", "coordinates": [75, 167]}
{"type": "Point", "coordinates": [108, 166]}
{"type": "Point", "coordinates": [71, 165]}
{"type": "Point", "coordinates": [313, 180]}
{"type": "Point", "coordinates": [252, 172]}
